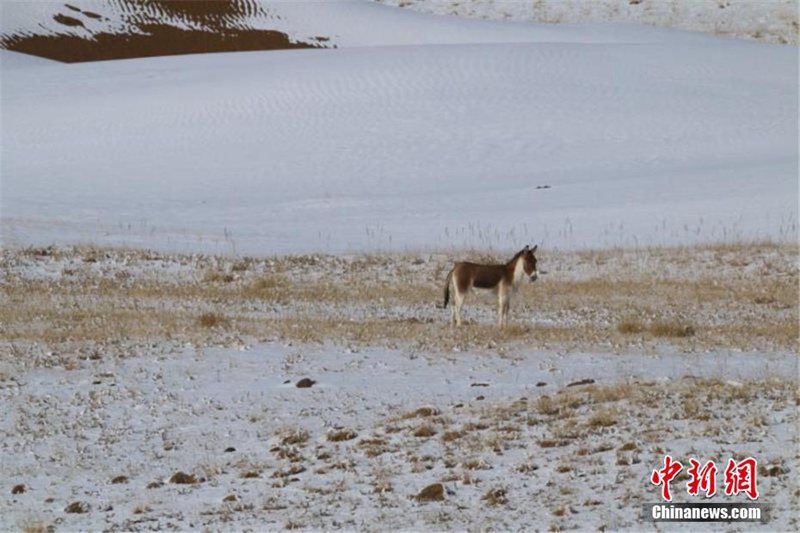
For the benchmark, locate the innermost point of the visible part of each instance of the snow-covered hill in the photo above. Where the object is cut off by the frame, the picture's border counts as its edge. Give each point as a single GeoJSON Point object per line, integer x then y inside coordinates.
{"type": "Point", "coordinates": [479, 134]}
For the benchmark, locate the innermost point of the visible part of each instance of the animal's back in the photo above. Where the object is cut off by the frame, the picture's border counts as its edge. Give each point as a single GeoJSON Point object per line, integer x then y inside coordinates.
{"type": "Point", "coordinates": [480, 276]}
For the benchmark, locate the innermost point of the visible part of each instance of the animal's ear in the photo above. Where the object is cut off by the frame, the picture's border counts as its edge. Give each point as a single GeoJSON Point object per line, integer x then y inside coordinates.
{"type": "Point", "coordinates": [525, 249]}
{"type": "Point", "coordinates": [534, 248]}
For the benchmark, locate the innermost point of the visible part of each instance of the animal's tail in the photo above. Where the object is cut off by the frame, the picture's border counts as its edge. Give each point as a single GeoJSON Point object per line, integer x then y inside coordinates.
{"type": "Point", "coordinates": [447, 289]}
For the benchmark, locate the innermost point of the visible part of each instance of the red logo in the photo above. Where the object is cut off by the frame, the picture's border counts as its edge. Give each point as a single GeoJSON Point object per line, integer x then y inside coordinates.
{"type": "Point", "coordinates": [704, 479]}
{"type": "Point", "coordinates": [665, 475]}
{"type": "Point", "coordinates": [741, 477]}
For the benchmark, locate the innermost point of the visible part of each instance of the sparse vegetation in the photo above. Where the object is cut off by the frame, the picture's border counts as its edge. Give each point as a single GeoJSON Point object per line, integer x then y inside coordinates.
{"type": "Point", "coordinates": [77, 508]}
{"type": "Point", "coordinates": [122, 298]}
{"type": "Point", "coordinates": [487, 453]}
{"type": "Point", "coordinates": [340, 435]}
{"type": "Point", "coordinates": [182, 478]}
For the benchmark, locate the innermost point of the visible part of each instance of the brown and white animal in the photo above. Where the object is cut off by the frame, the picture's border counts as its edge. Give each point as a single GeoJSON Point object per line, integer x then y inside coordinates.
{"type": "Point", "coordinates": [504, 280]}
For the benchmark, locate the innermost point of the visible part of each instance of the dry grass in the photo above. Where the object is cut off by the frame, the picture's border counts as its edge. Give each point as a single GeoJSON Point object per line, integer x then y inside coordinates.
{"type": "Point", "coordinates": [695, 297]}
{"type": "Point", "coordinates": [182, 478]}
{"type": "Point", "coordinates": [340, 435]}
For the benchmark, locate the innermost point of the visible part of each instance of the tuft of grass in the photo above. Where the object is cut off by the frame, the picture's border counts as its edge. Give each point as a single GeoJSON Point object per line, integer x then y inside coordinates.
{"type": "Point", "coordinates": [453, 435]}
{"type": "Point", "coordinates": [182, 478]}
{"type": "Point", "coordinates": [661, 328]}
{"type": "Point", "coordinates": [631, 326]}
{"type": "Point", "coordinates": [422, 412]}
{"type": "Point", "coordinates": [546, 406]}
{"type": "Point", "coordinates": [295, 437]}
{"type": "Point", "coordinates": [603, 418]}
{"type": "Point", "coordinates": [340, 435]}
{"type": "Point", "coordinates": [424, 431]}
{"type": "Point", "coordinates": [495, 497]}
{"type": "Point", "coordinates": [77, 508]}
{"type": "Point", "coordinates": [212, 320]}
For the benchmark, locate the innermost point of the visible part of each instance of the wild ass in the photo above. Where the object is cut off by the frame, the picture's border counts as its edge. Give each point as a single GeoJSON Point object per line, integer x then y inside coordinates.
{"type": "Point", "coordinates": [502, 279]}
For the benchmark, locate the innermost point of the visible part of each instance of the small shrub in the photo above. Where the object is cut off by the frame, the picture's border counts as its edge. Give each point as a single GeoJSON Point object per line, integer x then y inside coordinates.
{"type": "Point", "coordinates": [293, 470]}
{"type": "Point", "coordinates": [602, 419]}
{"type": "Point", "coordinates": [181, 478]}
{"type": "Point", "coordinates": [295, 437]}
{"type": "Point", "coordinates": [546, 406]}
{"type": "Point", "coordinates": [450, 436]}
{"type": "Point", "coordinates": [553, 443]}
{"type": "Point", "coordinates": [631, 326]}
{"type": "Point", "coordinates": [340, 435]}
{"type": "Point", "coordinates": [476, 463]}
{"type": "Point", "coordinates": [424, 431]}
{"type": "Point", "coordinates": [77, 508]}
{"type": "Point", "coordinates": [495, 497]}
{"type": "Point", "coordinates": [212, 320]}
{"type": "Point", "coordinates": [422, 412]}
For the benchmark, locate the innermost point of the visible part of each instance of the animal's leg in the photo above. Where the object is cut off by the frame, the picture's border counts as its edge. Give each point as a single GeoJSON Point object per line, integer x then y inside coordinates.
{"type": "Point", "coordinates": [502, 310]}
{"type": "Point", "coordinates": [459, 301]}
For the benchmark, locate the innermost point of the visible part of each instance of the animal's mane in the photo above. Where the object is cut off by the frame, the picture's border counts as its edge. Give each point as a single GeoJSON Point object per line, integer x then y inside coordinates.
{"type": "Point", "coordinates": [516, 256]}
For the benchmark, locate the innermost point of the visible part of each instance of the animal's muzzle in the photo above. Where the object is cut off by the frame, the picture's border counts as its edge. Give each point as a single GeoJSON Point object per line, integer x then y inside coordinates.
{"type": "Point", "coordinates": [534, 276]}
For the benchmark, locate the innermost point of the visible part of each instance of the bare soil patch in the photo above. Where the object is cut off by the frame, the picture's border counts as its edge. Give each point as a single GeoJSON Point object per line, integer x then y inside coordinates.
{"type": "Point", "coordinates": [157, 28]}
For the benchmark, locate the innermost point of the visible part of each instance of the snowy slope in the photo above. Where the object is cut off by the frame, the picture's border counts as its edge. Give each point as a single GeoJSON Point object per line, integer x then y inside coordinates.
{"type": "Point", "coordinates": [584, 136]}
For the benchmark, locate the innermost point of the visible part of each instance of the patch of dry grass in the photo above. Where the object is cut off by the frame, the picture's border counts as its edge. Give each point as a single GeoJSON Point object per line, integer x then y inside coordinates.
{"type": "Point", "coordinates": [695, 297]}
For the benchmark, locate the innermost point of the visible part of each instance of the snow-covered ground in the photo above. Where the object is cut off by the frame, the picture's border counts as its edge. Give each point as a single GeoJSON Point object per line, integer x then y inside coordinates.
{"type": "Point", "coordinates": [417, 138]}
{"type": "Point", "coordinates": [124, 368]}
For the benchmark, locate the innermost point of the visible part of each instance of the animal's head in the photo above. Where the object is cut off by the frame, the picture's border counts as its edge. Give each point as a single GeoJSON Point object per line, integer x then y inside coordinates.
{"type": "Point", "coordinates": [529, 262]}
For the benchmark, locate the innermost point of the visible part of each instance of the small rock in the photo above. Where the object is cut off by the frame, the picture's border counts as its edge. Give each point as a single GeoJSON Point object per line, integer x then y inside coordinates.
{"type": "Point", "coordinates": [431, 493]}
{"type": "Point", "coordinates": [305, 383]}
